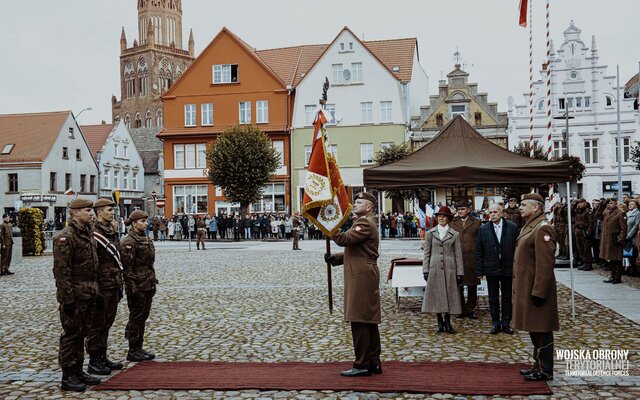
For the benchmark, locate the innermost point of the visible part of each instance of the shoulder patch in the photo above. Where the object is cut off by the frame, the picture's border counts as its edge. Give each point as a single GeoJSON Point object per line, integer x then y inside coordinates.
{"type": "Point", "coordinates": [62, 239]}
{"type": "Point", "coordinates": [547, 238]}
{"type": "Point", "coordinates": [129, 247]}
{"type": "Point", "coordinates": [358, 228]}
{"type": "Point", "coordinates": [543, 223]}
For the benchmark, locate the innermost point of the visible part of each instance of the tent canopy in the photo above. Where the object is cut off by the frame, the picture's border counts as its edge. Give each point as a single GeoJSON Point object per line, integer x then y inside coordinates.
{"type": "Point", "coordinates": [459, 156]}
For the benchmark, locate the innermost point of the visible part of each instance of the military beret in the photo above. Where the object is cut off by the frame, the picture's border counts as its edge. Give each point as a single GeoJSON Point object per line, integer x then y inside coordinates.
{"type": "Point", "coordinates": [513, 199]}
{"type": "Point", "coordinates": [80, 203]}
{"type": "Point", "coordinates": [5, 215]}
{"type": "Point", "coordinates": [366, 196]}
{"type": "Point", "coordinates": [533, 196]}
{"type": "Point", "coordinates": [138, 214]}
{"type": "Point", "coordinates": [103, 203]}
{"type": "Point", "coordinates": [462, 203]}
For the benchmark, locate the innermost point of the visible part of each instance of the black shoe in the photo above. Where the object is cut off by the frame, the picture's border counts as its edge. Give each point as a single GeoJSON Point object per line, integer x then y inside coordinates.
{"type": "Point", "coordinates": [8, 273]}
{"type": "Point", "coordinates": [616, 281]}
{"type": "Point", "coordinates": [508, 330]}
{"type": "Point", "coordinates": [610, 280]}
{"type": "Point", "coordinates": [375, 369]}
{"type": "Point", "coordinates": [72, 383]}
{"type": "Point", "coordinates": [441, 326]}
{"type": "Point", "coordinates": [150, 355]}
{"type": "Point", "coordinates": [528, 371]}
{"type": "Point", "coordinates": [112, 365]}
{"type": "Point", "coordinates": [461, 316]}
{"type": "Point", "coordinates": [538, 376]}
{"type": "Point", "coordinates": [88, 379]}
{"type": "Point", "coordinates": [353, 372]}
{"type": "Point", "coordinates": [97, 367]}
{"type": "Point", "coordinates": [447, 324]}
{"type": "Point", "coordinates": [495, 329]}
{"type": "Point", "coordinates": [137, 355]}
{"type": "Point", "coordinates": [472, 315]}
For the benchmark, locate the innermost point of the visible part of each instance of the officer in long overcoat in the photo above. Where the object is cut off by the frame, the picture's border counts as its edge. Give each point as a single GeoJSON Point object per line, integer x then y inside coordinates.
{"type": "Point", "coordinates": [6, 245]}
{"type": "Point", "coordinates": [75, 265]}
{"type": "Point", "coordinates": [535, 303]}
{"type": "Point", "coordinates": [361, 285]}
{"type": "Point", "coordinates": [467, 226]}
{"type": "Point", "coordinates": [614, 233]}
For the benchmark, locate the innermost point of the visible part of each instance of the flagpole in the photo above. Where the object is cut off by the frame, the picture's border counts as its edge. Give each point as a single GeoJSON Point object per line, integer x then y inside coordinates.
{"type": "Point", "coordinates": [329, 283]}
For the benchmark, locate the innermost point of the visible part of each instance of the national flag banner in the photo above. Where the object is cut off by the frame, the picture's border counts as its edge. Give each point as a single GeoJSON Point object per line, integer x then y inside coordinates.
{"type": "Point", "coordinates": [429, 216]}
{"type": "Point", "coordinates": [523, 13]}
{"type": "Point", "coordinates": [422, 217]}
{"type": "Point", "coordinates": [325, 200]}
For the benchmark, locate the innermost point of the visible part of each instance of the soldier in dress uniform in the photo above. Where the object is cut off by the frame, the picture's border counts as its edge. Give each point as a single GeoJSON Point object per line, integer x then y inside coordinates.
{"type": "Point", "coordinates": [201, 234]}
{"type": "Point", "coordinates": [75, 265]}
{"type": "Point", "coordinates": [361, 285]}
{"type": "Point", "coordinates": [535, 302]}
{"type": "Point", "coordinates": [138, 256]}
{"type": "Point", "coordinates": [512, 212]}
{"type": "Point", "coordinates": [583, 232]}
{"type": "Point", "coordinates": [467, 226]}
{"type": "Point", "coordinates": [105, 232]}
{"type": "Point", "coordinates": [614, 233]}
{"type": "Point", "coordinates": [6, 245]}
{"type": "Point", "coordinates": [296, 224]}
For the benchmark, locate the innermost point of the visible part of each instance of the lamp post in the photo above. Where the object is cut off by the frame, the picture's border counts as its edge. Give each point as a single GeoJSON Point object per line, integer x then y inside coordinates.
{"type": "Point", "coordinates": [83, 110]}
{"type": "Point", "coordinates": [154, 196]}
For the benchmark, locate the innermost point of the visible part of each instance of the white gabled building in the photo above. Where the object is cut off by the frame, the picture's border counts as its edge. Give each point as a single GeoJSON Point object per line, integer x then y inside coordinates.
{"type": "Point", "coordinates": [45, 163]}
{"type": "Point", "coordinates": [119, 162]}
{"type": "Point", "coordinates": [580, 84]}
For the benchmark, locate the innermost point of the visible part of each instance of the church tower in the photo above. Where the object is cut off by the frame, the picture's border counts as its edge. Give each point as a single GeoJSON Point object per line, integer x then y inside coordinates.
{"type": "Point", "coordinates": [149, 67]}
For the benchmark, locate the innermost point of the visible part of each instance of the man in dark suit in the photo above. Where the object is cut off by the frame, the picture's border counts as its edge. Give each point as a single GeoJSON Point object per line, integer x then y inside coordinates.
{"type": "Point", "coordinates": [495, 247]}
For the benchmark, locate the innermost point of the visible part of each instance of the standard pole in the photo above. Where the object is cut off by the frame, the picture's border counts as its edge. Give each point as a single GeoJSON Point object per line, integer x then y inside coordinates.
{"type": "Point", "coordinates": [619, 149]}
{"type": "Point", "coordinates": [573, 302]}
{"type": "Point", "coordinates": [329, 283]}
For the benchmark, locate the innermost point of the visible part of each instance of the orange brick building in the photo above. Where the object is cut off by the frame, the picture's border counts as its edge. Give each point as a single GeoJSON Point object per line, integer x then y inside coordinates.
{"type": "Point", "coordinates": [229, 83]}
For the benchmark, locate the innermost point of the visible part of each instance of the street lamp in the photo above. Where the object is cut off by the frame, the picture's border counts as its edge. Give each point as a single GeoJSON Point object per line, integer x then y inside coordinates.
{"type": "Point", "coordinates": [154, 196]}
{"type": "Point", "coordinates": [83, 110]}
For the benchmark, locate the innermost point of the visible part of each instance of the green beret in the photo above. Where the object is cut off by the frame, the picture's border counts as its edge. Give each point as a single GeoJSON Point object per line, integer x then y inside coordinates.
{"type": "Point", "coordinates": [103, 203]}
{"type": "Point", "coordinates": [80, 203]}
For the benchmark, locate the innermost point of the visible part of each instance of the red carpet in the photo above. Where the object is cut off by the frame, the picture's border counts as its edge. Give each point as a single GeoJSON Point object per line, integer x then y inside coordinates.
{"type": "Point", "coordinates": [423, 377]}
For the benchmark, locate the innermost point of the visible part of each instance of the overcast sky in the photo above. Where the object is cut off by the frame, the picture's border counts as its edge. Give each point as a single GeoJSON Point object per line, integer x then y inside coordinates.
{"type": "Point", "coordinates": [64, 54]}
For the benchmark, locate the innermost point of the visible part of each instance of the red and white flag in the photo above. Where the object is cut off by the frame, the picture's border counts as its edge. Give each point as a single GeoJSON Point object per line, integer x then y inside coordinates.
{"type": "Point", "coordinates": [325, 200]}
{"type": "Point", "coordinates": [523, 13]}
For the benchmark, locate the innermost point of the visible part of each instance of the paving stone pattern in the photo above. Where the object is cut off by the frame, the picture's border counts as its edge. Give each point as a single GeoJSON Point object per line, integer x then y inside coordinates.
{"type": "Point", "coordinates": [255, 304]}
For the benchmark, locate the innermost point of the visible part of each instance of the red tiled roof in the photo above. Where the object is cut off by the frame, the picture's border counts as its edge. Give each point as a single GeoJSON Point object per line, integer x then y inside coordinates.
{"type": "Point", "coordinates": [96, 136]}
{"type": "Point", "coordinates": [395, 53]}
{"type": "Point", "coordinates": [33, 135]}
{"type": "Point", "coordinates": [632, 81]}
{"type": "Point", "coordinates": [290, 63]}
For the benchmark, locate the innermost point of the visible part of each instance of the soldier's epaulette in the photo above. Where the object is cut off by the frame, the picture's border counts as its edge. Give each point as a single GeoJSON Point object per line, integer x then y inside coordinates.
{"type": "Point", "coordinates": [543, 223]}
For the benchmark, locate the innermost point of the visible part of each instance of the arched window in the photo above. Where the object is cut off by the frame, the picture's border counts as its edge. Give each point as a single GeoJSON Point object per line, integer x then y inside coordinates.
{"type": "Point", "coordinates": [457, 96]}
{"type": "Point", "coordinates": [143, 77]}
{"type": "Point", "coordinates": [159, 118]}
{"type": "Point", "coordinates": [541, 105]}
{"type": "Point", "coordinates": [147, 119]}
{"type": "Point", "coordinates": [116, 119]}
{"type": "Point", "coordinates": [138, 121]}
{"type": "Point", "coordinates": [609, 101]}
{"type": "Point", "coordinates": [127, 121]}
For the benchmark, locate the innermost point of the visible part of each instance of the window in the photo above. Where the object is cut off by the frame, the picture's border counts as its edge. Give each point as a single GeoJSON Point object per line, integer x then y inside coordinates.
{"type": "Point", "coordinates": [278, 145]}
{"type": "Point", "coordinates": [125, 180]}
{"type": "Point", "coordinates": [385, 111]}
{"type": "Point", "coordinates": [309, 113]}
{"type": "Point", "coordinates": [367, 112]}
{"type": "Point", "coordinates": [587, 102]}
{"type": "Point", "coordinates": [53, 187]}
{"type": "Point", "coordinates": [78, 155]}
{"type": "Point", "coordinates": [178, 156]}
{"type": "Point", "coordinates": [609, 101]}
{"type": "Point", "coordinates": [366, 153]}
{"type": "Point", "coordinates": [337, 73]}
{"type": "Point", "coordinates": [116, 152]}
{"type": "Point", "coordinates": [116, 180]}
{"type": "Point", "coordinates": [386, 145]}
{"type": "Point", "coordinates": [147, 119]}
{"type": "Point", "coordinates": [201, 157]}
{"type": "Point", "coordinates": [262, 112]}
{"type": "Point", "coordinates": [341, 46]}
{"type": "Point", "coordinates": [159, 118]}
{"type": "Point", "coordinates": [207, 114]}
{"type": "Point", "coordinates": [541, 105]}
{"type": "Point", "coordinates": [458, 110]}
{"type": "Point", "coordinates": [626, 149]}
{"type": "Point", "coordinates": [591, 151]}
{"type": "Point", "coordinates": [13, 183]}
{"type": "Point", "coordinates": [578, 102]}
{"type": "Point", "coordinates": [67, 182]}
{"type": "Point", "coordinates": [65, 153]}
{"type": "Point", "coordinates": [350, 45]}
{"type": "Point", "coordinates": [125, 150]}
{"type": "Point", "coordinates": [570, 102]}
{"type": "Point", "coordinates": [333, 149]}
{"type": "Point", "coordinates": [127, 121]}
{"type": "Point", "coordinates": [245, 112]}
{"type": "Point", "coordinates": [83, 183]}
{"type": "Point", "coordinates": [561, 103]}
{"type": "Point", "coordinates": [189, 115]}
{"type": "Point", "coordinates": [7, 149]}
{"type": "Point", "coordinates": [70, 132]}
{"type": "Point", "coordinates": [92, 183]}
{"type": "Point", "coordinates": [559, 148]}
{"type": "Point", "coordinates": [330, 113]}
{"type": "Point", "coordinates": [307, 155]}
{"type": "Point", "coordinates": [134, 182]}
{"type": "Point", "coordinates": [138, 121]}
{"type": "Point", "coordinates": [107, 179]}
{"type": "Point", "coordinates": [190, 156]}
{"type": "Point", "coordinates": [356, 72]}
{"type": "Point", "coordinates": [225, 73]}
{"type": "Point", "coordinates": [180, 194]}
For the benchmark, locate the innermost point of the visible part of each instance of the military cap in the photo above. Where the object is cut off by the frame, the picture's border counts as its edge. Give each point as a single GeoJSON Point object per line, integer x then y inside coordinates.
{"type": "Point", "coordinates": [513, 199]}
{"type": "Point", "coordinates": [462, 203]}
{"type": "Point", "coordinates": [366, 196]}
{"type": "Point", "coordinates": [5, 215]}
{"type": "Point", "coordinates": [103, 203]}
{"type": "Point", "coordinates": [533, 196]}
{"type": "Point", "coordinates": [80, 203]}
{"type": "Point", "coordinates": [138, 214]}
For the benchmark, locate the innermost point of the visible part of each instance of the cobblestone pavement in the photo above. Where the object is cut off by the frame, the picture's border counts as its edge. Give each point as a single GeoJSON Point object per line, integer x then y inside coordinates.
{"type": "Point", "coordinates": [262, 302]}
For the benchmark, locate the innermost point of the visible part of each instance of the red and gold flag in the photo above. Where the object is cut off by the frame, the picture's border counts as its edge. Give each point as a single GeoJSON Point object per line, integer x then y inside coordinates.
{"type": "Point", "coordinates": [325, 200]}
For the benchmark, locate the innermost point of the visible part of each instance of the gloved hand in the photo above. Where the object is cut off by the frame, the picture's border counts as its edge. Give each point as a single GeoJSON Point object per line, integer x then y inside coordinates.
{"type": "Point", "coordinates": [537, 301]}
{"type": "Point", "coordinates": [425, 275]}
{"type": "Point", "coordinates": [329, 258]}
{"type": "Point", "coordinates": [99, 301]}
{"type": "Point", "coordinates": [120, 293]}
{"type": "Point", "coordinates": [459, 279]}
{"type": "Point", "coordinates": [69, 309]}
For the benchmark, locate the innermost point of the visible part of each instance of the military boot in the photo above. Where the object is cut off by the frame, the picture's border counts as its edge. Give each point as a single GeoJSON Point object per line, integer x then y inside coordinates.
{"type": "Point", "coordinates": [150, 355]}
{"type": "Point", "coordinates": [71, 383]}
{"type": "Point", "coordinates": [137, 355]}
{"type": "Point", "coordinates": [88, 379]}
{"type": "Point", "coordinates": [110, 364]}
{"type": "Point", "coordinates": [97, 365]}
{"type": "Point", "coordinates": [587, 267]}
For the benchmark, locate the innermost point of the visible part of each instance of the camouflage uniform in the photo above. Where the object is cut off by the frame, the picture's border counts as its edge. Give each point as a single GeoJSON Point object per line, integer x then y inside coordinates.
{"type": "Point", "coordinates": [583, 232]}
{"type": "Point", "coordinates": [513, 215]}
{"type": "Point", "coordinates": [75, 264]}
{"type": "Point", "coordinates": [561, 228]}
{"type": "Point", "coordinates": [138, 256]}
{"type": "Point", "coordinates": [296, 224]}
{"type": "Point", "coordinates": [109, 287]}
{"type": "Point", "coordinates": [201, 233]}
{"type": "Point", "coordinates": [6, 240]}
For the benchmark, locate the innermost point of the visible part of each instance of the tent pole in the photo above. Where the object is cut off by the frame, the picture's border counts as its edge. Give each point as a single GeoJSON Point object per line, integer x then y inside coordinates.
{"type": "Point", "coordinates": [573, 303]}
{"type": "Point", "coordinates": [379, 215]}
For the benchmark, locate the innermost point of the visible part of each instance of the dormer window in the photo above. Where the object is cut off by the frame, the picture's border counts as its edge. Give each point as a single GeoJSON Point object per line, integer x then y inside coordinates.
{"type": "Point", "coordinates": [395, 69]}
{"type": "Point", "coordinates": [71, 132]}
{"type": "Point", "coordinates": [225, 73]}
{"type": "Point", "coordinates": [7, 149]}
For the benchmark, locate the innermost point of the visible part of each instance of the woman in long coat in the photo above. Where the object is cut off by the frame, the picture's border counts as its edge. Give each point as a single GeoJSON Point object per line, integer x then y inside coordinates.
{"type": "Point", "coordinates": [443, 270]}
